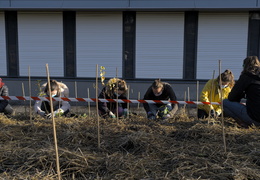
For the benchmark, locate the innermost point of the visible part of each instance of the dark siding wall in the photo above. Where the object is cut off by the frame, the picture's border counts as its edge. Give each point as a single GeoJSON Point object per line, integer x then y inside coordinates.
{"type": "Point", "coordinates": [12, 43]}
{"type": "Point", "coordinates": [69, 37]}
{"type": "Point", "coordinates": [190, 45]}
{"type": "Point", "coordinates": [129, 29]}
{"type": "Point", "coordinates": [254, 34]}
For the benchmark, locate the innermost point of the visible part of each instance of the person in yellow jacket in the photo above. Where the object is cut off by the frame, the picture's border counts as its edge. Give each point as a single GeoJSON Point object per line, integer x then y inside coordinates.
{"type": "Point", "coordinates": [212, 93]}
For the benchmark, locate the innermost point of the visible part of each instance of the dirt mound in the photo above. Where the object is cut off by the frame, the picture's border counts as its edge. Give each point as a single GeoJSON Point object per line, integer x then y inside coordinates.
{"type": "Point", "coordinates": [134, 148]}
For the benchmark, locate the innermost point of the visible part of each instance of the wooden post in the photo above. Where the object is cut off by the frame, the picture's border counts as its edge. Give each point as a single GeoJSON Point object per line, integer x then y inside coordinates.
{"type": "Point", "coordinates": [197, 99]}
{"type": "Point", "coordinates": [139, 96]}
{"type": "Point", "coordinates": [116, 98]}
{"type": "Point", "coordinates": [128, 104]}
{"type": "Point", "coordinates": [25, 109]}
{"type": "Point", "coordinates": [30, 93]}
{"type": "Point", "coordinates": [222, 115]}
{"type": "Point", "coordinates": [88, 104]}
{"type": "Point", "coordinates": [98, 128]}
{"type": "Point", "coordinates": [54, 127]}
{"type": "Point", "coordinates": [211, 93]}
{"type": "Point", "coordinates": [76, 95]}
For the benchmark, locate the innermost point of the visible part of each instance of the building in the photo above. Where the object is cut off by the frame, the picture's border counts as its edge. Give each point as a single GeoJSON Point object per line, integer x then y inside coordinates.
{"type": "Point", "coordinates": [179, 41]}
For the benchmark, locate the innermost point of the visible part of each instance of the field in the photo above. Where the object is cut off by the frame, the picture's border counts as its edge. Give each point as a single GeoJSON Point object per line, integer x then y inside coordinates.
{"type": "Point", "coordinates": [133, 148]}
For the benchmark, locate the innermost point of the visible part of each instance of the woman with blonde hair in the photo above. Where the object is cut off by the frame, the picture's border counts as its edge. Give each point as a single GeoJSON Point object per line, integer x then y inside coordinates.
{"type": "Point", "coordinates": [212, 93]}
{"type": "Point", "coordinates": [115, 88]}
{"type": "Point", "coordinates": [248, 87]}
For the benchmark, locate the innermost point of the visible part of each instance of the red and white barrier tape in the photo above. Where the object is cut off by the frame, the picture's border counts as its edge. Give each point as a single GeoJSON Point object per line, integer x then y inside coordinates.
{"type": "Point", "coordinates": [27, 98]}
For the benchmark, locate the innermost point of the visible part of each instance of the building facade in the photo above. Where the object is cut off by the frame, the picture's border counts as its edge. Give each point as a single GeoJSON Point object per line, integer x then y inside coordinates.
{"type": "Point", "coordinates": [182, 42]}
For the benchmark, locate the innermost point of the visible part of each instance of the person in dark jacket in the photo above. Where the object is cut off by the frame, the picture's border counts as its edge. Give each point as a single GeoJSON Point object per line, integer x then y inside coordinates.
{"type": "Point", "coordinates": [160, 91]}
{"type": "Point", "coordinates": [4, 105]}
{"type": "Point", "coordinates": [248, 87]}
{"type": "Point", "coordinates": [115, 88]}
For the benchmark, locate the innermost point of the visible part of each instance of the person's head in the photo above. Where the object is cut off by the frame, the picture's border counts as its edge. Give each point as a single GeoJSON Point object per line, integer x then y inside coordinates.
{"type": "Point", "coordinates": [251, 64]}
{"type": "Point", "coordinates": [157, 87]}
{"type": "Point", "coordinates": [54, 86]}
{"type": "Point", "coordinates": [116, 86]}
{"type": "Point", "coordinates": [227, 79]}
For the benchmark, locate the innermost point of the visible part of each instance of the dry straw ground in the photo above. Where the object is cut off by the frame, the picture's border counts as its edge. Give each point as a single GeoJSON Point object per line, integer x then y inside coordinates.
{"type": "Point", "coordinates": [133, 148]}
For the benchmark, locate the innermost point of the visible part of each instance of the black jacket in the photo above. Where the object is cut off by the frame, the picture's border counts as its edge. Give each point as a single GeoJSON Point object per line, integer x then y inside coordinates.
{"type": "Point", "coordinates": [248, 86]}
{"type": "Point", "coordinates": [167, 94]}
{"type": "Point", "coordinates": [3, 92]}
{"type": "Point", "coordinates": [105, 107]}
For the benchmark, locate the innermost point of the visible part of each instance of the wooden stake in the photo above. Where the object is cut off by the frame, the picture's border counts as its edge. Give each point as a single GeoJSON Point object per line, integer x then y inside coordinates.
{"type": "Point", "coordinates": [197, 99]}
{"type": "Point", "coordinates": [222, 115]}
{"type": "Point", "coordinates": [128, 104]}
{"type": "Point", "coordinates": [76, 95]}
{"type": "Point", "coordinates": [139, 96]}
{"type": "Point", "coordinates": [211, 93]}
{"type": "Point", "coordinates": [88, 104]}
{"type": "Point", "coordinates": [25, 109]}
{"type": "Point", "coordinates": [188, 109]}
{"type": "Point", "coordinates": [30, 93]}
{"type": "Point", "coordinates": [184, 106]}
{"type": "Point", "coordinates": [54, 127]}
{"type": "Point", "coordinates": [98, 130]}
{"type": "Point", "coordinates": [116, 99]}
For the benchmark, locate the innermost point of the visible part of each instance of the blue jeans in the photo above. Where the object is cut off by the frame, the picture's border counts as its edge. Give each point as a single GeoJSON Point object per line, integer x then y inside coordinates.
{"type": "Point", "coordinates": [154, 108]}
{"type": "Point", "coordinates": [238, 112]}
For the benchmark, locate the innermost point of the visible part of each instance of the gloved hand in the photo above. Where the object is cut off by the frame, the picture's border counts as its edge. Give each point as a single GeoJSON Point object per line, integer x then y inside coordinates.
{"type": "Point", "coordinates": [49, 116]}
{"type": "Point", "coordinates": [125, 113]}
{"type": "Point", "coordinates": [112, 115]}
{"type": "Point", "coordinates": [58, 112]}
{"type": "Point", "coordinates": [41, 113]}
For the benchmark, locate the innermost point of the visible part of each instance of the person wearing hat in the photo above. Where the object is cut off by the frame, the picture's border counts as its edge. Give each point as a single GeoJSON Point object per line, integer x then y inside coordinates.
{"type": "Point", "coordinates": [5, 107]}
{"type": "Point", "coordinates": [160, 91]}
{"type": "Point", "coordinates": [58, 89]}
{"type": "Point", "coordinates": [115, 88]}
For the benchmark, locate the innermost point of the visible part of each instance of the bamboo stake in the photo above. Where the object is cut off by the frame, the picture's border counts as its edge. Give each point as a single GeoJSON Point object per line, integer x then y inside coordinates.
{"type": "Point", "coordinates": [139, 96]}
{"type": "Point", "coordinates": [184, 106]}
{"type": "Point", "coordinates": [30, 93]}
{"type": "Point", "coordinates": [197, 99]}
{"type": "Point", "coordinates": [128, 104]}
{"type": "Point", "coordinates": [98, 128]}
{"type": "Point", "coordinates": [88, 104]}
{"type": "Point", "coordinates": [116, 99]}
{"type": "Point", "coordinates": [76, 95]}
{"type": "Point", "coordinates": [25, 109]}
{"type": "Point", "coordinates": [188, 108]}
{"type": "Point", "coordinates": [211, 93]}
{"type": "Point", "coordinates": [54, 127]}
{"type": "Point", "coordinates": [222, 115]}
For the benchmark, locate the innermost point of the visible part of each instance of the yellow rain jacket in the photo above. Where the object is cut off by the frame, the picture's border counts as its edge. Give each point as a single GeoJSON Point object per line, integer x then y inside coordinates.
{"type": "Point", "coordinates": [212, 94]}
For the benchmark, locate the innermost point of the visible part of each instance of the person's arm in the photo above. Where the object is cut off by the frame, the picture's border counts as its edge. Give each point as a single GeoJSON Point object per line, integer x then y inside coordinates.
{"type": "Point", "coordinates": [172, 98]}
{"type": "Point", "coordinates": [206, 93]}
{"type": "Point", "coordinates": [147, 97]}
{"type": "Point", "coordinates": [238, 91]}
{"type": "Point", "coordinates": [4, 103]}
{"type": "Point", "coordinates": [102, 106]}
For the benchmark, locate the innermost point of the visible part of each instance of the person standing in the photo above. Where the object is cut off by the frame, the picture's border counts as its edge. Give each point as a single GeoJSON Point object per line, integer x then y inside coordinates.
{"type": "Point", "coordinates": [160, 91]}
{"type": "Point", "coordinates": [212, 93]}
{"type": "Point", "coordinates": [115, 88]}
{"type": "Point", "coordinates": [248, 87]}
{"type": "Point", "coordinates": [5, 107]}
{"type": "Point", "coordinates": [58, 89]}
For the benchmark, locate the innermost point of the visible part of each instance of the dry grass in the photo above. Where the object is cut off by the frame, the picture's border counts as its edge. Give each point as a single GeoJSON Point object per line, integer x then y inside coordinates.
{"type": "Point", "coordinates": [134, 148]}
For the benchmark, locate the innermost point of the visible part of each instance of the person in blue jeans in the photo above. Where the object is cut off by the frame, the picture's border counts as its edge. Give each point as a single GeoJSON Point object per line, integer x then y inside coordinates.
{"type": "Point", "coordinates": [248, 87]}
{"type": "Point", "coordinates": [160, 91]}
